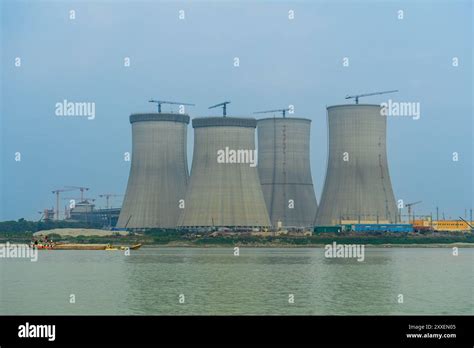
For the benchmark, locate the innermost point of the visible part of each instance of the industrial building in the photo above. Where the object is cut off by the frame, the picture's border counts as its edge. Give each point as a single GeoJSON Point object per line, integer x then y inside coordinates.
{"type": "Point", "coordinates": [159, 171]}
{"type": "Point", "coordinates": [443, 225]}
{"type": "Point", "coordinates": [365, 228]}
{"type": "Point", "coordinates": [357, 187]}
{"type": "Point", "coordinates": [224, 188]}
{"type": "Point", "coordinates": [285, 172]}
{"type": "Point", "coordinates": [85, 211]}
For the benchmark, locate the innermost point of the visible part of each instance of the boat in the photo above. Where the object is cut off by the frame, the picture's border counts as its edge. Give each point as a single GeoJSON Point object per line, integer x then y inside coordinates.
{"type": "Point", "coordinates": [42, 246]}
{"type": "Point", "coordinates": [123, 248]}
{"type": "Point", "coordinates": [66, 246]}
{"type": "Point", "coordinates": [70, 246]}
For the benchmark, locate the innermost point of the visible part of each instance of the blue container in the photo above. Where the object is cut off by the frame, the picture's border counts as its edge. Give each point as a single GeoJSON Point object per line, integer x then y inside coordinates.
{"type": "Point", "coordinates": [382, 228]}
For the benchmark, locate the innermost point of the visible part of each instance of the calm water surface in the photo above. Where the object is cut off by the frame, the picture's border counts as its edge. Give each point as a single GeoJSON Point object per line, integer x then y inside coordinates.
{"type": "Point", "coordinates": [259, 281]}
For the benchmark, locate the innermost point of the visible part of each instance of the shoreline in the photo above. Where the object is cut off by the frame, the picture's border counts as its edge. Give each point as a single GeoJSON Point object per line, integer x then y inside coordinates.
{"type": "Point", "coordinates": [278, 246]}
{"type": "Point", "coordinates": [307, 246]}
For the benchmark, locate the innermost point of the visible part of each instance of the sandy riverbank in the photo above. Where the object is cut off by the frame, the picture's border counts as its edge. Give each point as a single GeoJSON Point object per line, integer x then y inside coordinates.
{"type": "Point", "coordinates": [75, 232]}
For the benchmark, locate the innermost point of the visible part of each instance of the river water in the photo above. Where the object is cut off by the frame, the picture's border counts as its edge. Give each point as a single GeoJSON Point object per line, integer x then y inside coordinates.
{"type": "Point", "coordinates": [210, 281]}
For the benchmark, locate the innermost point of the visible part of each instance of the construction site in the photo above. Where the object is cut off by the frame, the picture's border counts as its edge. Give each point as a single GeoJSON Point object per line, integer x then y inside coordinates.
{"type": "Point", "coordinates": [228, 191]}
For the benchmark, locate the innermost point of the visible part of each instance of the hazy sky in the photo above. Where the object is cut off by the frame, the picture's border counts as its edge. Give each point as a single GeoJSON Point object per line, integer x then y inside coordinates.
{"type": "Point", "coordinates": [282, 62]}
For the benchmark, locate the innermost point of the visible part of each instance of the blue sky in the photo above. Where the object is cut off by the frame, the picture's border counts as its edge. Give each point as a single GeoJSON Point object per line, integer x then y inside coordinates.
{"type": "Point", "coordinates": [282, 62]}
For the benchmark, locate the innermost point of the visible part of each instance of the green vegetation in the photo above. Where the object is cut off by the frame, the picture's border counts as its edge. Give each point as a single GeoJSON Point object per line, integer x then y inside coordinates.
{"type": "Point", "coordinates": [22, 231]}
{"type": "Point", "coordinates": [189, 239]}
{"type": "Point", "coordinates": [25, 226]}
{"type": "Point", "coordinates": [328, 239]}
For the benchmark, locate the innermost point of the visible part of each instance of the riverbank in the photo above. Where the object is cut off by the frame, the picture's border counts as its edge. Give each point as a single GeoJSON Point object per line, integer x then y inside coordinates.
{"type": "Point", "coordinates": [315, 241]}
{"type": "Point", "coordinates": [316, 246]}
{"type": "Point", "coordinates": [76, 232]}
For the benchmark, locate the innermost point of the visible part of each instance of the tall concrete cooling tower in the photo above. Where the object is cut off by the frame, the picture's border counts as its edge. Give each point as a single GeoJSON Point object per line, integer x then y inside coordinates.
{"type": "Point", "coordinates": [284, 170]}
{"type": "Point", "coordinates": [159, 171]}
{"type": "Point", "coordinates": [357, 186]}
{"type": "Point", "coordinates": [224, 189]}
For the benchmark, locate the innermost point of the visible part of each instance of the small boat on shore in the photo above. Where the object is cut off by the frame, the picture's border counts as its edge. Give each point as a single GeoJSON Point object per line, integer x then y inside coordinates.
{"type": "Point", "coordinates": [66, 246]}
{"type": "Point", "coordinates": [71, 246]}
{"type": "Point", "coordinates": [133, 247]}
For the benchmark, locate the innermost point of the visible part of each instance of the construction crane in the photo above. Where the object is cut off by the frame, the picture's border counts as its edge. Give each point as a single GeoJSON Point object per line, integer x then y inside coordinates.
{"type": "Point", "coordinates": [357, 96]}
{"type": "Point", "coordinates": [160, 102]}
{"type": "Point", "coordinates": [283, 111]}
{"type": "Point", "coordinates": [409, 205]}
{"type": "Point", "coordinates": [57, 192]}
{"type": "Point", "coordinates": [224, 107]}
{"type": "Point", "coordinates": [80, 188]}
{"type": "Point", "coordinates": [107, 196]}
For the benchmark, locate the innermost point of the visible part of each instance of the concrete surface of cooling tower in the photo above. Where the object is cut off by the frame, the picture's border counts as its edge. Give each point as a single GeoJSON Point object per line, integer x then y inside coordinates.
{"type": "Point", "coordinates": [357, 185]}
{"type": "Point", "coordinates": [284, 170]}
{"type": "Point", "coordinates": [159, 171]}
{"type": "Point", "coordinates": [224, 194]}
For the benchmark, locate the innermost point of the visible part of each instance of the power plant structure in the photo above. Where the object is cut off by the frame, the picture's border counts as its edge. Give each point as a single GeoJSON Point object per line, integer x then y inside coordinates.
{"type": "Point", "coordinates": [224, 188]}
{"type": "Point", "coordinates": [284, 170]}
{"type": "Point", "coordinates": [357, 187]}
{"type": "Point", "coordinates": [159, 171]}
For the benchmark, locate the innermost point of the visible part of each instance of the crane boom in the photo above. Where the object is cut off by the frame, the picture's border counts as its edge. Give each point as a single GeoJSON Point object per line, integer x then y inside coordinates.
{"type": "Point", "coordinates": [409, 205]}
{"type": "Point", "coordinates": [107, 197]}
{"type": "Point", "coordinates": [283, 111]}
{"type": "Point", "coordinates": [357, 96]}
{"type": "Point", "coordinates": [80, 188]}
{"type": "Point", "coordinates": [224, 107]}
{"type": "Point", "coordinates": [160, 102]}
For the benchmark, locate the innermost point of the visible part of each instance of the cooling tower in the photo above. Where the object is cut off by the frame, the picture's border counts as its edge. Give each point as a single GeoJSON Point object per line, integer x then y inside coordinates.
{"type": "Point", "coordinates": [357, 187]}
{"type": "Point", "coordinates": [158, 173]}
{"type": "Point", "coordinates": [284, 171]}
{"type": "Point", "coordinates": [224, 189]}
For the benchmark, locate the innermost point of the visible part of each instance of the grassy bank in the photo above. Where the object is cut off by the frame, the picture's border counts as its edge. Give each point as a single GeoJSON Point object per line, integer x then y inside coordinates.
{"type": "Point", "coordinates": [183, 239]}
